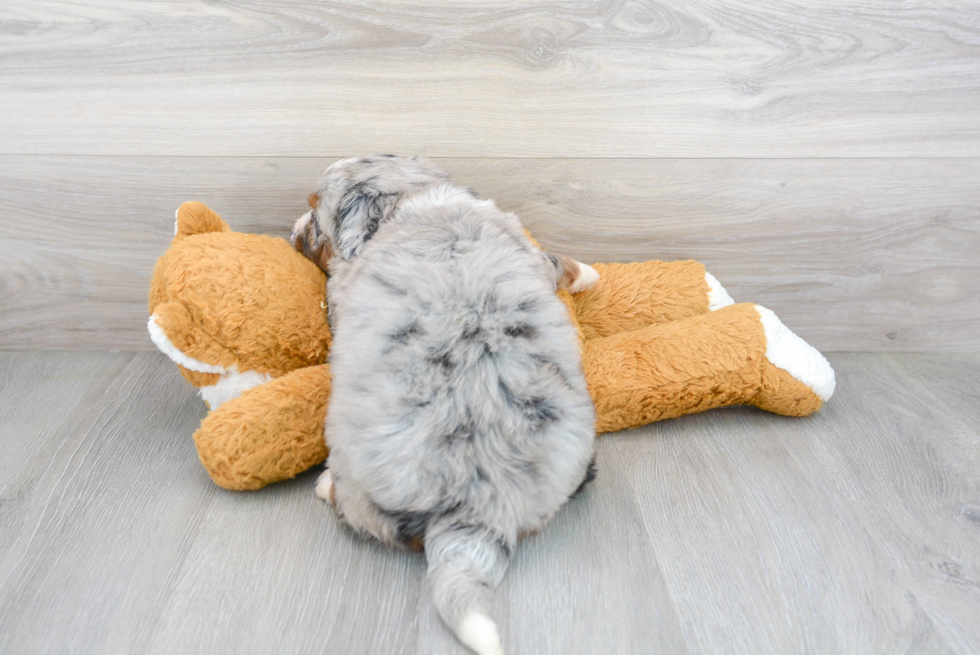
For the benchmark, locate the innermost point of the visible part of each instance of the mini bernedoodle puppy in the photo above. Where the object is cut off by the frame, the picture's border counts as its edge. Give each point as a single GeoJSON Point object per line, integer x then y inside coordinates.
{"type": "Point", "coordinates": [459, 417]}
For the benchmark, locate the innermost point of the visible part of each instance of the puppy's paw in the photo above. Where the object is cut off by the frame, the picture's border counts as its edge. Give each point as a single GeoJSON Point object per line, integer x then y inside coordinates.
{"type": "Point", "coordinates": [324, 487]}
{"type": "Point", "coordinates": [587, 277]}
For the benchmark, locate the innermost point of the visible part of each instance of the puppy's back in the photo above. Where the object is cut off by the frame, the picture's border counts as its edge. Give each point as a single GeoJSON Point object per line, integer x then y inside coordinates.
{"type": "Point", "coordinates": [459, 408]}
{"type": "Point", "coordinates": [470, 394]}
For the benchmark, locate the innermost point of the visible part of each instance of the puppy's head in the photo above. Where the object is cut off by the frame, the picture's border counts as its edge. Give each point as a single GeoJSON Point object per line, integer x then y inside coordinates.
{"type": "Point", "coordinates": [354, 198]}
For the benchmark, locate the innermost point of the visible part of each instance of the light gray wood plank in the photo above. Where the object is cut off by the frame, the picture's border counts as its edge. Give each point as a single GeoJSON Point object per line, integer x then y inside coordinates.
{"type": "Point", "coordinates": [588, 583]}
{"type": "Point", "coordinates": [102, 515]}
{"type": "Point", "coordinates": [954, 381]}
{"type": "Point", "coordinates": [731, 531]}
{"type": "Point", "coordinates": [131, 549]}
{"type": "Point", "coordinates": [853, 255]}
{"type": "Point", "coordinates": [851, 78]}
{"type": "Point", "coordinates": [29, 382]}
{"type": "Point", "coordinates": [907, 466]}
{"type": "Point", "coordinates": [274, 571]}
{"type": "Point", "coordinates": [46, 401]}
{"type": "Point", "coordinates": [759, 555]}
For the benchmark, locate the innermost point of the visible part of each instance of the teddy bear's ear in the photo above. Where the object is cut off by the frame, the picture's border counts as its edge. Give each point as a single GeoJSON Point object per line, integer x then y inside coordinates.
{"type": "Point", "coordinates": [197, 218]}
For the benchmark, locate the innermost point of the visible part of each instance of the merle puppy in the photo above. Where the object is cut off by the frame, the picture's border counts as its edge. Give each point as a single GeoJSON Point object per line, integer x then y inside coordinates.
{"type": "Point", "coordinates": [459, 417]}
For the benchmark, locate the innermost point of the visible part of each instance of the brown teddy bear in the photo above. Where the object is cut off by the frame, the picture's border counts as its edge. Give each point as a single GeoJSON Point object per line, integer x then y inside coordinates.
{"type": "Point", "coordinates": [244, 318]}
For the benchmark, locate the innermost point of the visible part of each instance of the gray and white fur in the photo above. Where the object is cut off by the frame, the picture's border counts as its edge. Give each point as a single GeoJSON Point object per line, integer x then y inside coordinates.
{"type": "Point", "coordinates": [459, 416]}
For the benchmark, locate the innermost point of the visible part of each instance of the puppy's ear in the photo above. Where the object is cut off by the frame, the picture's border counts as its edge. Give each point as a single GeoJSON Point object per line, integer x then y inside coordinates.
{"type": "Point", "coordinates": [361, 211]}
{"type": "Point", "coordinates": [310, 241]}
{"type": "Point", "coordinates": [571, 274]}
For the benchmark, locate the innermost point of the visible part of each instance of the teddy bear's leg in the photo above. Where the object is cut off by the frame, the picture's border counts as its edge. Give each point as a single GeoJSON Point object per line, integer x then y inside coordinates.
{"type": "Point", "coordinates": [740, 354]}
{"type": "Point", "coordinates": [633, 296]}
{"type": "Point", "coordinates": [270, 433]}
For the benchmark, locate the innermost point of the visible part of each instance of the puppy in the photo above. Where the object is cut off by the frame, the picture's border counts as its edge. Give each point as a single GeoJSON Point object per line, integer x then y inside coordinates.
{"type": "Point", "coordinates": [459, 416]}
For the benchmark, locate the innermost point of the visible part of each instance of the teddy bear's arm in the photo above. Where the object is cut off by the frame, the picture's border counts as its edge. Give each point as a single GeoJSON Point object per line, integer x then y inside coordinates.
{"type": "Point", "coordinates": [740, 354]}
{"type": "Point", "coordinates": [636, 295]}
{"type": "Point", "coordinates": [270, 433]}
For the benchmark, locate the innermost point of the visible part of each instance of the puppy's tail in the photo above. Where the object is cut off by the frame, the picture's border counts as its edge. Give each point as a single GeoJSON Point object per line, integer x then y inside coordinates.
{"type": "Point", "coordinates": [465, 562]}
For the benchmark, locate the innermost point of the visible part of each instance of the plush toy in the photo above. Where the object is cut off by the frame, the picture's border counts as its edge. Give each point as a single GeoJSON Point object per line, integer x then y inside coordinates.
{"type": "Point", "coordinates": [244, 318]}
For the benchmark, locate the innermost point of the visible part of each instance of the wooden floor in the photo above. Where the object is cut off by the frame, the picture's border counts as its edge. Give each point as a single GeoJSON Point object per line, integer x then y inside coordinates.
{"type": "Point", "coordinates": [856, 530]}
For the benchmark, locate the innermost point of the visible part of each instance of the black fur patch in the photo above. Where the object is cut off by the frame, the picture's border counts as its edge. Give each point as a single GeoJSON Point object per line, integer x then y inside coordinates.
{"type": "Point", "coordinates": [505, 546]}
{"type": "Point", "coordinates": [463, 431]}
{"type": "Point", "coordinates": [407, 332]}
{"type": "Point", "coordinates": [520, 331]}
{"type": "Point", "coordinates": [555, 262]}
{"type": "Point", "coordinates": [537, 411]}
{"type": "Point", "coordinates": [487, 350]}
{"type": "Point", "coordinates": [552, 368]}
{"type": "Point", "coordinates": [442, 361]}
{"type": "Point", "coordinates": [361, 204]}
{"type": "Point", "coordinates": [410, 526]}
{"type": "Point", "coordinates": [315, 224]}
{"type": "Point", "coordinates": [491, 303]}
{"type": "Point", "coordinates": [389, 285]}
{"type": "Point", "coordinates": [590, 472]}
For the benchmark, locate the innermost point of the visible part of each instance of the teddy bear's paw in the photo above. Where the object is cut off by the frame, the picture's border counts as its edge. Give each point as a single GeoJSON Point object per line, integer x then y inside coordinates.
{"type": "Point", "coordinates": [717, 296]}
{"type": "Point", "coordinates": [231, 385]}
{"type": "Point", "coordinates": [803, 362]}
{"type": "Point", "coordinates": [324, 487]}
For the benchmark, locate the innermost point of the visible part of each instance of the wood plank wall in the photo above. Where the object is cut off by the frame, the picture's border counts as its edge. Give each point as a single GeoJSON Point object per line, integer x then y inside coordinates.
{"type": "Point", "coordinates": [823, 159]}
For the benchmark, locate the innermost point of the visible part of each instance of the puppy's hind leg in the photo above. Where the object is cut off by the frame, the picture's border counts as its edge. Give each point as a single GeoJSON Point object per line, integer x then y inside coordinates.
{"type": "Point", "coordinates": [571, 274]}
{"type": "Point", "coordinates": [355, 507]}
{"type": "Point", "coordinates": [590, 473]}
{"type": "Point", "coordinates": [324, 488]}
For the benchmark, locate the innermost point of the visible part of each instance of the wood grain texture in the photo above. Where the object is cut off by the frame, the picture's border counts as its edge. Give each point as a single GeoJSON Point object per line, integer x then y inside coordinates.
{"type": "Point", "coordinates": [102, 511]}
{"type": "Point", "coordinates": [865, 507]}
{"type": "Point", "coordinates": [609, 78]}
{"type": "Point", "coordinates": [906, 463]}
{"type": "Point", "coordinates": [273, 571]}
{"type": "Point", "coordinates": [733, 531]}
{"type": "Point", "coordinates": [851, 254]}
{"type": "Point", "coordinates": [594, 571]}
{"type": "Point", "coordinates": [757, 555]}
{"type": "Point", "coordinates": [955, 381]}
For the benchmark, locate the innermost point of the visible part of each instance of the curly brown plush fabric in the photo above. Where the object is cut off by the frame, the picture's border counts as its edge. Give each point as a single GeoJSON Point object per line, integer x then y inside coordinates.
{"type": "Point", "coordinates": [242, 300]}
{"type": "Point", "coordinates": [271, 432]}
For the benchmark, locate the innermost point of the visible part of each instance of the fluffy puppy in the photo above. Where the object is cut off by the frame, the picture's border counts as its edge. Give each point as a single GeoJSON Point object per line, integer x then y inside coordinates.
{"type": "Point", "coordinates": [459, 417]}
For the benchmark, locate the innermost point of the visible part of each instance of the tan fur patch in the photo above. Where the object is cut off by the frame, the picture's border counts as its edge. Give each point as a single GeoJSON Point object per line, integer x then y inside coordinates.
{"type": "Point", "coordinates": [313, 199]}
{"type": "Point", "coordinates": [570, 271]}
{"type": "Point", "coordinates": [321, 252]}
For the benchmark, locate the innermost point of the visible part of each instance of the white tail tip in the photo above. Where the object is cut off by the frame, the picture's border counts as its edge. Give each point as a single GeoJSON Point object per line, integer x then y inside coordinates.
{"type": "Point", "coordinates": [477, 631]}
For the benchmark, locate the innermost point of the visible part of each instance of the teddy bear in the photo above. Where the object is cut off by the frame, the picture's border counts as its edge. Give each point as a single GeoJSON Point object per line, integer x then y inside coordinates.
{"type": "Point", "coordinates": [244, 318]}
